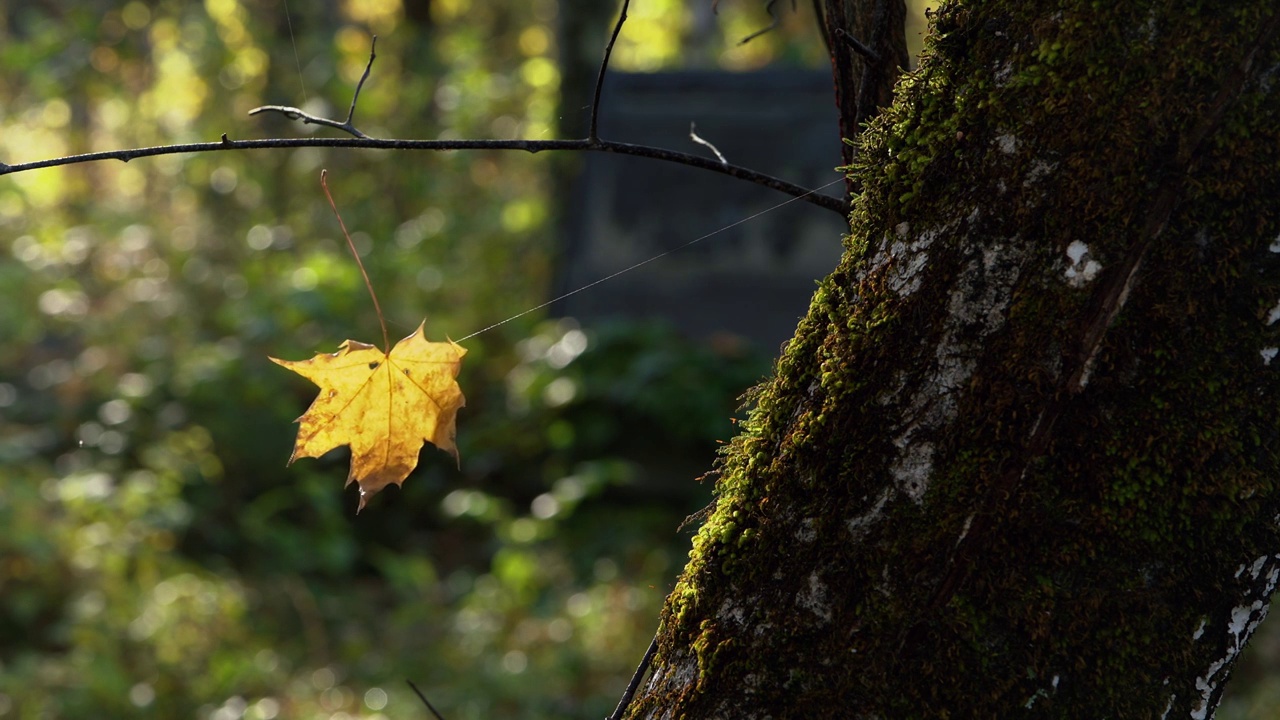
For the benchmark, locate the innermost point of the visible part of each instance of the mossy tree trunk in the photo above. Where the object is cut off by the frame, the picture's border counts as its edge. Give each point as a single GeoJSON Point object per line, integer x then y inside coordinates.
{"type": "Point", "coordinates": [1020, 458]}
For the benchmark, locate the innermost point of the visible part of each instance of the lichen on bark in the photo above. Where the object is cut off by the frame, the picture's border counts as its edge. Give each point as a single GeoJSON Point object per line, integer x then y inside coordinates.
{"type": "Point", "coordinates": [1020, 455]}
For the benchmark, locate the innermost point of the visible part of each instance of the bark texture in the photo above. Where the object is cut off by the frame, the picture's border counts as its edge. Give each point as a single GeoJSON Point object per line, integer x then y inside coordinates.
{"type": "Point", "coordinates": [1020, 458]}
{"type": "Point", "coordinates": [868, 45]}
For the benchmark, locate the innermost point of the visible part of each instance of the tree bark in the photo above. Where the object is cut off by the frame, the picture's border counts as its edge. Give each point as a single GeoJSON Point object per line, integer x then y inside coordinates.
{"type": "Point", "coordinates": [1020, 457]}
{"type": "Point", "coordinates": [868, 45]}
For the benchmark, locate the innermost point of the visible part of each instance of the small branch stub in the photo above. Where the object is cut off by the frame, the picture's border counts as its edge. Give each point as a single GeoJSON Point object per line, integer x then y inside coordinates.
{"type": "Point", "coordinates": [693, 135]}
{"type": "Point", "coordinates": [871, 56]}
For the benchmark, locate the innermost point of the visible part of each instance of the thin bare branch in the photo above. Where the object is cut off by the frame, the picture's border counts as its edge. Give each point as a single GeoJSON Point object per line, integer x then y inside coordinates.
{"type": "Point", "coordinates": [820, 17]}
{"type": "Point", "coordinates": [635, 681]}
{"type": "Point", "coordinates": [773, 24]}
{"type": "Point", "coordinates": [373, 53]}
{"type": "Point", "coordinates": [838, 205]}
{"type": "Point", "coordinates": [591, 143]}
{"type": "Point", "coordinates": [425, 701]}
{"type": "Point", "coordinates": [593, 135]}
{"type": "Point", "coordinates": [307, 118]}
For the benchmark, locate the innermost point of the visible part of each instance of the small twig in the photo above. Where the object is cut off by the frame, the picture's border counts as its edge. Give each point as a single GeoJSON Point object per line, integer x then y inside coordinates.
{"type": "Point", "coordinates": [871, 56]}
{"type": "Point", "coordinates": [773, 14]}
{"type": "Point", "coordinates": [307, 118]}
{"type": "Point", "coordinates": [775, 20]}
{"type": "Point", "coordinates": [635, 681]}
{"type": "Point", "coordinates": [373, 53]}
{"type": "Point", "coordinates": [593, 134]}
{"type": "Point", "coordinates": [696, 517]}
{"type": "Point", "coordinates": [425, 701]}
{"type": "Point", "coordinates": [821, 17]}
{"type": "Point", "coordinates": [693, 135]}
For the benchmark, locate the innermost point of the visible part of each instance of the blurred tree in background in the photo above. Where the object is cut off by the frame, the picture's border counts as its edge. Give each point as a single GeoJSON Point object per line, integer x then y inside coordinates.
{"type": "Point", "coordinates": [157, 559]}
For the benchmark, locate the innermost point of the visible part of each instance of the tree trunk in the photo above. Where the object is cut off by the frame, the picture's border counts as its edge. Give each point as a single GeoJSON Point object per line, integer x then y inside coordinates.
{"type": "Point", "coordinates": [1020, 457]}
{"type": "Point", "coordinates": [868, 45]}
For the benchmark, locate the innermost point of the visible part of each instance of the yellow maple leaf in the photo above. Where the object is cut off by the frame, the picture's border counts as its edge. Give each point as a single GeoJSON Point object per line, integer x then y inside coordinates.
{"type": "Point", "coordinates": [384, 405]}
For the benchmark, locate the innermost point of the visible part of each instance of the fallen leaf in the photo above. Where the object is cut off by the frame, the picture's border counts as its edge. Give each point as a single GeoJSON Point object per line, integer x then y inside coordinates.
{"type": "Point", "coordinates": [384, 405]}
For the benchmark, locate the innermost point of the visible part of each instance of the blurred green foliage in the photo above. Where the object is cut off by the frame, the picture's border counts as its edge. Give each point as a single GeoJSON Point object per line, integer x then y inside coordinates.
{"type": "Point", "coordinates": [157, 558]}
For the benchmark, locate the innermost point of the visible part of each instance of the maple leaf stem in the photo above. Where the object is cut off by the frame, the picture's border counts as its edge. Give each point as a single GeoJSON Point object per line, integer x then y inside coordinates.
{"type": "Point", "coordinates": [377, 307]}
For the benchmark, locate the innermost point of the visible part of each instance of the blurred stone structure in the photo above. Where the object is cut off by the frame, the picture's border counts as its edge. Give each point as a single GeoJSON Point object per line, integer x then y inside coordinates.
{"type": "Point", "coordinates": [754, 279]}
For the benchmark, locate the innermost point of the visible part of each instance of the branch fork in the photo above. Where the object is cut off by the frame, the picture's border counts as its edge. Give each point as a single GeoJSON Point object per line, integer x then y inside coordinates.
{"type": "Point", "coordinates": [307, 118]}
